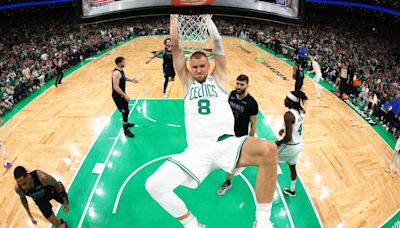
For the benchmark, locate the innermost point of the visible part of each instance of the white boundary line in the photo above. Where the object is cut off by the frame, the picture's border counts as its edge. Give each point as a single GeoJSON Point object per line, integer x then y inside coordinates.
{"type": "Point", "coordinates": [152, 120]}
{"type": "Point", "coordinates": [250, 187]}
{"type": "Point", "coordinates": [312, 203]}
{"type": "Point", "coordinates": [280, 194]}
{"type": "Point", "coordinates": [107, 158]}
{"type": "Point", "coordinates": [173, 125]}
{"type": "Point", "coordinates": [97, 181]}
{"type": "Point", "coordinates": [285, 204]}
{"type": "Point", "coordinates": [387, 220]}
{"type": "Point", "coordinates": [121, 189]}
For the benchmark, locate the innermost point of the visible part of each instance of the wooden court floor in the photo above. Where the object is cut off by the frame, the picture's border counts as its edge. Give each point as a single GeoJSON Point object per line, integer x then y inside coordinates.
{"type": "Point", "coordinates": [342, 165]}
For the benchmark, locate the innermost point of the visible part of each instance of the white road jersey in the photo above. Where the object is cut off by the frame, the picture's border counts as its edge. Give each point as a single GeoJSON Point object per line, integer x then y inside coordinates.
{"type": "Point", "coordinates": [297, 127]}
{"type": "Point", "coordinates": [207, 112]}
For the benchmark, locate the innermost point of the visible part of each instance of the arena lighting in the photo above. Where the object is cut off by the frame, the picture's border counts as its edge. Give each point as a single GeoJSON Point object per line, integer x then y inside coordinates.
{"type": "Point", "coordinates": [359, 5]}
{"type": "Point", "coordinates": [23, 4]}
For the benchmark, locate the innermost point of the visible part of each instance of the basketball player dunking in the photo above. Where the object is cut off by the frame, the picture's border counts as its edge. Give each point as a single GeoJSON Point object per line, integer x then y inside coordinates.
{"type": "Point", "coordinates": [291, 145]}
{"type": "Point", "coordinates": [119, 95]}
{"type": "Point", "coordinates": [42, 188]}
{"type": "Point", "coordinates": [210, 137]}
{"type": "Point", "coordinates": [168, 66]}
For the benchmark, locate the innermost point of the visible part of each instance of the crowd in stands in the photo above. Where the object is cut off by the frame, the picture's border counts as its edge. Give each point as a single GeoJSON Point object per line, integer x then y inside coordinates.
{"type": "Point", "coordinates": [28, 58]}
{"type": "Point", "coordinates": [366, 55]}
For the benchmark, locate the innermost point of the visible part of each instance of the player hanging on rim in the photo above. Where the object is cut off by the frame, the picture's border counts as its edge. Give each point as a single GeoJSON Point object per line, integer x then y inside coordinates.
{"type": "Point", "coordinates": [290, 147]}
{"type": "Point", "coordinates": [168, 66]}
{"type": "Point", "coordinates": [210, 137]}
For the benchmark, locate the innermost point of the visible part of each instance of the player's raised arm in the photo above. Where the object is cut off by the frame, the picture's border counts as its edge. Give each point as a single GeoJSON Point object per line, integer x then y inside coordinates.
{"type": "Point", "coordinates": [154, 55]}
{"type": "Point", "coordinates": [177, 53]}
{"type": "Point", "coordinates": [219, 55]}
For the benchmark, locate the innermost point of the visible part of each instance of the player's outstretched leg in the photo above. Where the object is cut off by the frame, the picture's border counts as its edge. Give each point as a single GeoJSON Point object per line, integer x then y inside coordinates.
{"type": "Point", "coordinates": [161, 185]}
{"type": "Point", "coordinates": [264, 155]}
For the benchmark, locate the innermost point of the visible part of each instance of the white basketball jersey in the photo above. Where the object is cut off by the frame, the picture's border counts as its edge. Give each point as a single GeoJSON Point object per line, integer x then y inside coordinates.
{"type": "Point", "coordinates": [317, 68]}
{"type": "Point", "coordinates": [207, 112]}
{"type": "Point", "coordinates": [297, 127]}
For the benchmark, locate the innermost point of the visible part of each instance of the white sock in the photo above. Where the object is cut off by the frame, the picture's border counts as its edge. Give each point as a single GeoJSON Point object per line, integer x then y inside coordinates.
{"type": "Point", "coordinates": [190, 222]}
{"type": "Point", "coordinates": [187, 219]}
{"type": "Point", "coordinates": [293, 185]}
{"type": "Point", "coordinates": [263, 212]}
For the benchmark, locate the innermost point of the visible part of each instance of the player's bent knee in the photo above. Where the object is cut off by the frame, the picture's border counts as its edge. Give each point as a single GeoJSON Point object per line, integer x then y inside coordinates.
{"type": "Point", "coordinates": [153, 187]}
{"type": "Point", "coordinates": [270, 153]}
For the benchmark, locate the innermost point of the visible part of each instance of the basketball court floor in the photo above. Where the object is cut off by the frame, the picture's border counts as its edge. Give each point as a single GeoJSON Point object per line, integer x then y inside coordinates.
{"type": "Point", "coordinates": [74, 133]}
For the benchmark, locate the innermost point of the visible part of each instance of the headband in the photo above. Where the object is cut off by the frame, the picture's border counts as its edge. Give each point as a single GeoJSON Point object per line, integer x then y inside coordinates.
{"type": "Point", "coordinates": [292, 97]}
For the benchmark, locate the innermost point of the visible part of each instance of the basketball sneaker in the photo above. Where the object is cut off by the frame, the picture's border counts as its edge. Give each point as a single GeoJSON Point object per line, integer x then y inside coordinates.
{"type": "Point", "coordinates": [288, 192]}
{"type": "Point", "coordinates": [164, 95]}
{"type": "Point", "coordinates": [224, 188]}
{"type": "Point", "coordinates": [194, 224]}
{"type": "Point", "coordinates": [63, 224]}
{"type": "Point", "coordinates": [128, 133]}
{"type": "Point", "coordinates": [7, 164]}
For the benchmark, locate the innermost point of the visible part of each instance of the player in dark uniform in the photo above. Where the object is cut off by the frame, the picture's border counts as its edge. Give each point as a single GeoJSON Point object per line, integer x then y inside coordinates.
{"type": "Point", "coordinates": [245, 111]}
{"type": "Point", "coordinates": [58, 63]}
{"type": "Point", "coordinates": [168, 65]}
{"type": "Point", "coordinates": [42, 188]}
{"type": "Point", "coordinates": [298, 76]}
{"type": "Point", "coordinates": [119, 96]}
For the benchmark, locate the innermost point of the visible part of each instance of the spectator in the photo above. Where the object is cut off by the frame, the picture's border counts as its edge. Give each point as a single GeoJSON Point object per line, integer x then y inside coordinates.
{"type": "Point", "coordinates": [343, 80]}
{"type": "Point", "coordinates": [302, 54]}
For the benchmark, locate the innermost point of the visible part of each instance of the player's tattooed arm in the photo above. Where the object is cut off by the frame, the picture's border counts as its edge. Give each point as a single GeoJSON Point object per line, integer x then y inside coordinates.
{"type": "Point", "coordinates": [24, 202]}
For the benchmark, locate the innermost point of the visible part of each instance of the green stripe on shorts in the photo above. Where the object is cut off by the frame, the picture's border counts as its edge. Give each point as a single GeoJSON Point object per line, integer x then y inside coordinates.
{"type": "Point", "coordinates": [186, 170]}
{"type": "Point", "coordinates": [239, 150]}
{"type": "Point", "coordinates": [223, 137]}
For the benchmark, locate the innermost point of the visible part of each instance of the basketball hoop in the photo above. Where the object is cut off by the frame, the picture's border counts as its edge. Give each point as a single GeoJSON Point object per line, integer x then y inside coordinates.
{"type": "Point", "coordinates": [193, 32]}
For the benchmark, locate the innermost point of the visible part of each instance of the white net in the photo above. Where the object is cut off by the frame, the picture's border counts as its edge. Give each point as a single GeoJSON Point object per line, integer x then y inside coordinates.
{"type": "Point", "coordinates": [193, 32]}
